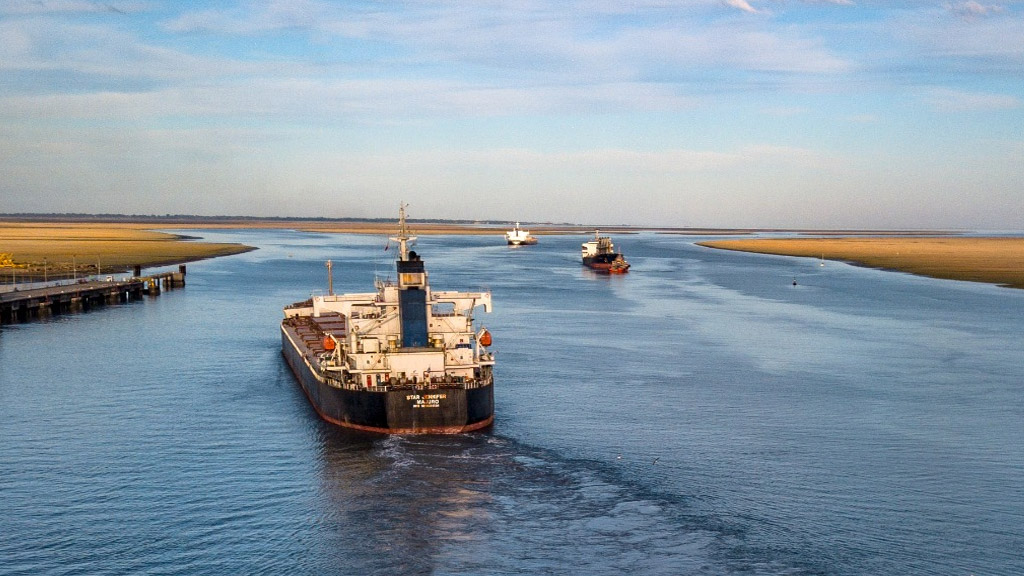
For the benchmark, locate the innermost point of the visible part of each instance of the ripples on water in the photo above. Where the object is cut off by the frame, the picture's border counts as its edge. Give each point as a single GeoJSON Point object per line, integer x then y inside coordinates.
{"type": "Point", "coordinates": [700, 415]}
{"type": "Point", "coordinates": [484, 504]}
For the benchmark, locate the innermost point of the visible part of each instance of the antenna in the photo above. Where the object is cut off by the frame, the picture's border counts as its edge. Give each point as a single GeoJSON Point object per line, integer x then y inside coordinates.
{"type": "Point", "coordinates": [403, 237]}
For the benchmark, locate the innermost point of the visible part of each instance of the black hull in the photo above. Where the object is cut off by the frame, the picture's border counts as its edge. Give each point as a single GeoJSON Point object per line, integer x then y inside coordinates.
{"type": "Point", "coordinates": [440, 410]}
{"type": "Point", "coordinates": [605, 264]}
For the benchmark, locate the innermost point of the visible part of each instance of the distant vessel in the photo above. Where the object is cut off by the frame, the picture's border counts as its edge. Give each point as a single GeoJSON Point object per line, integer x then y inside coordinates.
{"type": "Point", "coordinates": [519, 237]}
{"type": "Point", "coordinates": [404, 359]}
{"type": "Point", "coordinates": [599, 254]}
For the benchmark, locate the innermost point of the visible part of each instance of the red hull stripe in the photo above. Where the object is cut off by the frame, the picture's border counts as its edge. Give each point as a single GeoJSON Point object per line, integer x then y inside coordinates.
{"type": "Point", "coordinates": [434, 430]}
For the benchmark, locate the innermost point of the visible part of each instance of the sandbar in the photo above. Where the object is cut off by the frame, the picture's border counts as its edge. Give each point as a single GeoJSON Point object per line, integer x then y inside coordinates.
{"type": "Point", "coordinates": [36, 251]}
{"type": "Point", "coordinates": [994, 260]}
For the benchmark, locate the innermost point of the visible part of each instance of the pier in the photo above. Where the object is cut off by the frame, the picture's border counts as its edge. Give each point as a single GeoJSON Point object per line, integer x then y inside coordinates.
{"type": "Point", "coordinates": [26, 304]}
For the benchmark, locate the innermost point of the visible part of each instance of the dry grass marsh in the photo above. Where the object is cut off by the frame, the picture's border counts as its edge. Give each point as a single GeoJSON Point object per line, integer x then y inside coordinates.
{"type": "Point", "coordinates": [992, 260]}
{"type": "Point", "coordinates": [65, 249]}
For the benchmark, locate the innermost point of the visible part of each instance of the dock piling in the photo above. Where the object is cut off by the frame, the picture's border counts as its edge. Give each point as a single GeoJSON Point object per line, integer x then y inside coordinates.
{"type": "Point", "coordinates": [24, 305]}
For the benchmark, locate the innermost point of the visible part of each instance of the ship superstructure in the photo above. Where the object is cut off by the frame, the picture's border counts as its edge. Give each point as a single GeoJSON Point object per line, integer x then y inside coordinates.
{"type": "Point", "coordinates": [519, 237]}
{"type": "Point", "coordinates": [402, 359]}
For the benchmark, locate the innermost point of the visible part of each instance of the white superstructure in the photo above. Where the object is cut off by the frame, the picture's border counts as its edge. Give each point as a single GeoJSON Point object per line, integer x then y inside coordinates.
{"type": "Point", "coordinates": [517, 236]}
{"type": "Point", "coordinates": [402, 333]}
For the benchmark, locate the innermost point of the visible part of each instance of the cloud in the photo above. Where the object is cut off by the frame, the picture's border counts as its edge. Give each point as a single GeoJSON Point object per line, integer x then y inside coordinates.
{"type": "Point", "coordinates": [557, 40]}
{"type": "Point", "coordinates": [742, 5]}
{"type": "Point", "coordinates": [97, 51]}
{"type": "Point", "coordinates": [747, 7]}
{"type": "Point", "coordinates": [340, 101]}
{"type": "Point", "coordinates": [30, 7]}
{"type": "Point", "coordinates": [959, 101]}
{"type": "Point", "coordinates": [542, 58]}
{"type": "Point", "coordinates": [934, 45]}
{"type": "Point", "coordinates": [256, 18]}
{"type": "Point", "coordinates": [974, 9]}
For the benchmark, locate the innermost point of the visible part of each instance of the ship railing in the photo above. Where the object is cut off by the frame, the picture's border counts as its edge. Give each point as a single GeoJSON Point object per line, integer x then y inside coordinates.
{"type": "Point", "coordinates": [479, 382]}
{"type": "Point", "coordinates": [433, 383]}
{"type": "Point", "coordinates": [304, 304]}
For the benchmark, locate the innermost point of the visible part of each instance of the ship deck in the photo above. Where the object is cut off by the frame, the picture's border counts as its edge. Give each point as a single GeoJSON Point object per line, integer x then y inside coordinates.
{"type": "Point", "coordinates": [311, 331]}
{"type": "Point", "coordinates": [308, 334]}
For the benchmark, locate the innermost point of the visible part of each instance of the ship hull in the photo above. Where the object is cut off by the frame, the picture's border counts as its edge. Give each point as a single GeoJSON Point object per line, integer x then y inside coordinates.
{"type": "Point", "coordinates": [426, 410]}
{"type": "Point", "coordinates": [605, 265]}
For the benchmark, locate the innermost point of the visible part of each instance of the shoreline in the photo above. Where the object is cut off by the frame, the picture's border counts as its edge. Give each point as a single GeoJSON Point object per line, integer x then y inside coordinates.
{"type": "Point", "coordinates": [989, 260]}
{"type": "Point", "coordinates": [33, 250]}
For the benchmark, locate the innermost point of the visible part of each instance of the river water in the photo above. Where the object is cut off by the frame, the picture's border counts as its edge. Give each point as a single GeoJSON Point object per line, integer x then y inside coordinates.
{"type": "Point", "coordinates": [700, 415]}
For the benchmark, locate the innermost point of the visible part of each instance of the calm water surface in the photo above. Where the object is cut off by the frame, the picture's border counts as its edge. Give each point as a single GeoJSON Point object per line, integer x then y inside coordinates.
{"type": "Point", "coordinates": [700, 415]}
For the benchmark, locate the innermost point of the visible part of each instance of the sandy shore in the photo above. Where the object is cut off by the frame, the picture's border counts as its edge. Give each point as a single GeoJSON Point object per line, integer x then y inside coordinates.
{"type": "Point", "coordinates": [65, 248]}
{"type": "Point", "coordinates": [32, 252]}
{"type": "Point", "coordinates": [992, 260]}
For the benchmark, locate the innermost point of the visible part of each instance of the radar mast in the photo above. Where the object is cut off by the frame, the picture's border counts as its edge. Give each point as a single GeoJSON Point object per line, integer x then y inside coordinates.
{"type": "Point", "coordinates": [403, 237]}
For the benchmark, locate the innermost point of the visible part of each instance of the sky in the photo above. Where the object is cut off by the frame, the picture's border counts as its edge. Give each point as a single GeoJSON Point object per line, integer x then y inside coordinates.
{"type": "Point", "coordinates": [871, 114]}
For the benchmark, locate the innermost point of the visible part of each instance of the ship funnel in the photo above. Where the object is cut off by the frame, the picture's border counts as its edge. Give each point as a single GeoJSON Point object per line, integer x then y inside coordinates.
{"type": "Point", "coordinates": [412, 289]}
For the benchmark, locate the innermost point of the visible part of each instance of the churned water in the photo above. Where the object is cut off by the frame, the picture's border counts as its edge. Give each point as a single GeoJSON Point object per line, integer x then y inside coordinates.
{"type": "Point", "coordinates": [700, 415]}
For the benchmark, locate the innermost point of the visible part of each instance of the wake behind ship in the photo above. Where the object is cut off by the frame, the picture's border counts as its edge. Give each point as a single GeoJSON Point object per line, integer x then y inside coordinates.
{"type": "Point", "coordinates": [404, 359]}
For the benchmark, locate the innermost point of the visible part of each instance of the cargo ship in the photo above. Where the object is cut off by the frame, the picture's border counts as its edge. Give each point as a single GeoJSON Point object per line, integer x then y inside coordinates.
{"type": "Point", "coordinates": [403, 359]}
{"type": "Point", "coordinates": [519, 237]}
{"type": "Point", "coordinates": [599, 255]}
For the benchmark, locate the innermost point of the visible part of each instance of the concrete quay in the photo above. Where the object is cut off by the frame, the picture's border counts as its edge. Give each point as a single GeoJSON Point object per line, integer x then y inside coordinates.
{"type": "Point", "coordinates": [25, 305]}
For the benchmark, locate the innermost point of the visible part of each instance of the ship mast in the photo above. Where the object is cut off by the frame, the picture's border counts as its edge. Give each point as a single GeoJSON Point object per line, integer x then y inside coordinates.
{"type": "Point", "coordinates": [403, 237]}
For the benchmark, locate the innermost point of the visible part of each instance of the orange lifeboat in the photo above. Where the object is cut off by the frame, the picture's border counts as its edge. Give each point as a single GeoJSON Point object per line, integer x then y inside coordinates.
{"type": "Point", "coordinates": [485, 338]}
{"type": "Point", "coordinates": [328, 343]}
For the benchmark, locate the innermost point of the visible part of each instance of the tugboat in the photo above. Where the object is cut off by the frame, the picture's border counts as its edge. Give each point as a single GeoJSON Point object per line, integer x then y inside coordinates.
{"type": "Point", "coordinates": [519, 237]}
{"type": "Point", "coordinates": [599, 255]}
{"type": "Point", "coordinates": [404, 359]}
